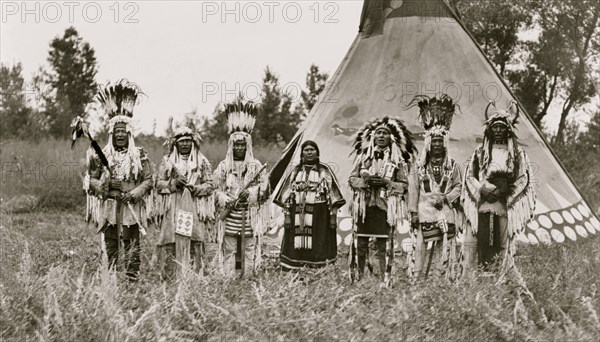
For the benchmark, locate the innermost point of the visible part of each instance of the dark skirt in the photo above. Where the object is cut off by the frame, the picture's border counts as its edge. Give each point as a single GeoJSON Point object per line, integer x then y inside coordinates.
{"type": "Point", "coordinates": [323, 242]}
{"type": "Point", "coordinates": [374, 225]}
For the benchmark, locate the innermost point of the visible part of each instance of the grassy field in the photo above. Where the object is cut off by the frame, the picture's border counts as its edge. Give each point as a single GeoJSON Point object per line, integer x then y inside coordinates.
{"type": "Point", "coordinates": [53, 288]}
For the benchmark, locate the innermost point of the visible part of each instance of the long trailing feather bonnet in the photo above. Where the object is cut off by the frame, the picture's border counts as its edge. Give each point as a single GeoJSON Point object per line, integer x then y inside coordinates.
{"type": "Point", "coordinates": [241, 118]}
{"type": "Point", "coordinates": [401, 153]}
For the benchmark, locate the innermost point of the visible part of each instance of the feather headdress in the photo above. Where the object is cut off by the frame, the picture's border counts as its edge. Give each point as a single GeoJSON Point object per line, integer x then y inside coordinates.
{"type": "Point", "coordinates": [241, 116]}
{"type": "Point", "coordinates": [436, 115]}
{"type": "Point", "coordinates": [401, 139]}
{"type": "Point", "coordinates": [118, 100]}
{"type": "Point", "coordinates": [437, 111]}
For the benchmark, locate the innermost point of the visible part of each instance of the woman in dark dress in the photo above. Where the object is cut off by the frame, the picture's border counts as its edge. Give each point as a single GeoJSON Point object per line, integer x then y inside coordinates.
{"type": "Point", "coordinates": [310, 196]}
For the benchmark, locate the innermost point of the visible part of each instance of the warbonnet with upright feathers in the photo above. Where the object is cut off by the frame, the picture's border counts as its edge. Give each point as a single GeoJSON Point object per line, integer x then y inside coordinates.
{"type": "Point", "coordinates": [119, 98]}
{"type": "Point", "coordinates": [241, 116]}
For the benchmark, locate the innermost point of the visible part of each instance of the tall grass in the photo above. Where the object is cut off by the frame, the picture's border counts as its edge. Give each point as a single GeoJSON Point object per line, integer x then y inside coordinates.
{"type": "Point", "coordinates": [53, 288]}
{"type": "Point", "coordinates": [53, 172]}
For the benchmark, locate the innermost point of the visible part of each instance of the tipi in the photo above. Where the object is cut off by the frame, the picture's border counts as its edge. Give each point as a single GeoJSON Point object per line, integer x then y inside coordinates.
{"type": "Point", "coordinates": [410, 47]}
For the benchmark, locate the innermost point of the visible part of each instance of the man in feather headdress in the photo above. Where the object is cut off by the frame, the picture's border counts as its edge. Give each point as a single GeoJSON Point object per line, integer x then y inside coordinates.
{"type": "Point", "coordinates": [379, 181]}
{"type": "Point", "coordinates": [498, 195]}
{"type": "Point", "coordinates": [434, 190]}
{"type": "Point", "coordinates": [119, 198]}
{"type": "Point", "coordinates": [185, 203]}
{"type": "Point", "coordinates": [242, 190]}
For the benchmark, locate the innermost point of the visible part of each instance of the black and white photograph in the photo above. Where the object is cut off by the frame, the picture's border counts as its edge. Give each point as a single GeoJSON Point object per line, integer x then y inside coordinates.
{"type": "Point", "coordinates": [300, 170]}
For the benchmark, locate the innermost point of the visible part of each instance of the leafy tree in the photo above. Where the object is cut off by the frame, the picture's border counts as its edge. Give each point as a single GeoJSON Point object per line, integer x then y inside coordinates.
{"type": "Point", "coordinates": [574, 25]}
{"type": "Point", "coordinates": [495, 25]}
{"type": "Point", "coordinates": [277, 121]}
{"type": "Point", "coordinates": [278, 117]}
{"type": "Point", "coordinates": [215, 128]}
{"type": "Point", "coordinates": [538, 86]}
{"type": "Point", "coordinates": [14, 109]}
{"type": "Point", "coordinates": [71, 79]}
{"type": "Point", "coordinates": [316, 82]}
{"type": "Point", "coordinates": [558, 65]}
{"type": "Point", "coordinates": [582, 166]}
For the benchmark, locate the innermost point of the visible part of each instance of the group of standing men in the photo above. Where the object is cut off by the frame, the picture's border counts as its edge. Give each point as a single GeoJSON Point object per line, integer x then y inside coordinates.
{"type": "Point", "coordinates": [193, 204]}
{"type": "Point", "coordinates": [189, 195]}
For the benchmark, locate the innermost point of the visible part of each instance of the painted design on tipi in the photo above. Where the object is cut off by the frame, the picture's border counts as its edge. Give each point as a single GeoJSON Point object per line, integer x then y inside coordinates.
{"type": "Point", "coordinates": [415, 47]}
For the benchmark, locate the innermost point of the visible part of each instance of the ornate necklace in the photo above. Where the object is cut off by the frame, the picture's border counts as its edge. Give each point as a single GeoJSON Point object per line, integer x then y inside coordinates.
{"type": "Point", "coordinates": [437, 166]}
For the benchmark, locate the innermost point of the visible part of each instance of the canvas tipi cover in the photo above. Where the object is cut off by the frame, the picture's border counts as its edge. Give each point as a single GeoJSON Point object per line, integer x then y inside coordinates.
{"type": "Point", "coordinates": [411, 47]}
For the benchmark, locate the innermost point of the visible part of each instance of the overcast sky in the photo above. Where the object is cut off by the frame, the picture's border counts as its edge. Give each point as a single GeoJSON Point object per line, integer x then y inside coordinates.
{"type": "Point", "coordinates": [187, 54]}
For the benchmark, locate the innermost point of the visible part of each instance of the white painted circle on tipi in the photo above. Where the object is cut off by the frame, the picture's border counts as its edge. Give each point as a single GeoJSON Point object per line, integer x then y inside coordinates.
{"type": "Point", "coordinates": [570, 233]}
{"type": "Point", "coordinates": [545, 221]}
{"type": "Point", "coordinates": [348, 240]}
{"type": "Point", "coordinates": [339, 239]}
{"type": "Point", "coordinates": [345, 224]}
{"type": "Point", "coordinates": [557, 236]}
{"type": "Point", "coordinates": [532, 239]}
{"type": "Point", "coordinates": [407, 244]}
{"type": "Point", "coordinates": [523, 238]}
{"type": "Point", "coordinates": [404, 227]}
{"type": "Point", "coordinates": [533, 225]}
{"type": "Point", "coordinates": [556, 217]}
{"type": "Point", "coordinates": [590, 228]}
{"type": "Point", "coordinates": [595, 223]}
{"type": "Point", "coordinates": [583, 210]}
{"type": "Point", "coordinates": [576, 214]}
{"type": "Point", "coordinates": [543, 236]}
{"type": "Point", "coordinates": [581, 231]}
{"type": "Point", "coordinates": [568, 217]}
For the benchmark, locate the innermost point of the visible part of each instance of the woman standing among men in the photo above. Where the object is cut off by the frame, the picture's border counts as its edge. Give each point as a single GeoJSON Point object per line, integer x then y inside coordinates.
{"type": "Point", "coordinates": [310, 196]}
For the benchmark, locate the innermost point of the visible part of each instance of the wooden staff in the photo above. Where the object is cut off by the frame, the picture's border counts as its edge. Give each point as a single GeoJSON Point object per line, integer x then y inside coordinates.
{"type": "Point", "coordinates": [119, 200]}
